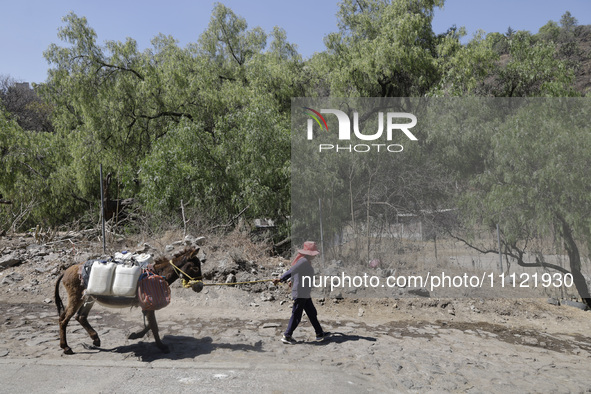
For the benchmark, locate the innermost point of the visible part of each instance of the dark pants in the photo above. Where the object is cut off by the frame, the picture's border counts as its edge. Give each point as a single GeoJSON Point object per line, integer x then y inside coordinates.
{"type": "Point", "coordinates": [301, 305]}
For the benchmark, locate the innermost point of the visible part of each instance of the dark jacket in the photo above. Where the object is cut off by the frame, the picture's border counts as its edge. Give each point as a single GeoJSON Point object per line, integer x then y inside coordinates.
{"type": "Point", "coordinates": [301, 268]}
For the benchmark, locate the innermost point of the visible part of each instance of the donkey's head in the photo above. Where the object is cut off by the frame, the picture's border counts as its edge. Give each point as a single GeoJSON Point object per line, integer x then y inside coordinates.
{"type": "Point", "coordinates": [184, 265]}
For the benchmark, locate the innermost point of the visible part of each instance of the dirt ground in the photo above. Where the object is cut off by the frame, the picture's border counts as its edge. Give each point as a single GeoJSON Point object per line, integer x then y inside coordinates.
{"type": "Point", "coordinates": [381, 345]}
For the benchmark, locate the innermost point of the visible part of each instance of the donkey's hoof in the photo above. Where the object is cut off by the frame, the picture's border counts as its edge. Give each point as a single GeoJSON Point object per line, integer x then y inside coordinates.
{"type": "Point", "coordinates": [133, 335]}
{"type": "Point", "coordinates": [97, 342]}
{"type": "Point", "coordinates": [68, 350]}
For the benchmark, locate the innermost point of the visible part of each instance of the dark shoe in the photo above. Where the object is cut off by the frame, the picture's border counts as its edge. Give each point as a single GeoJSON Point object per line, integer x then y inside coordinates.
{"type": "Point", "coordinates": [288, 340]}
{"type": "Point", "coordinates": [323, 336]}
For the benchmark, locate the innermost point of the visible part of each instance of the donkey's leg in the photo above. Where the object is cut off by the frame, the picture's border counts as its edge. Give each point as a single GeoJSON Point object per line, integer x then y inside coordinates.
{"type": "Point", "coordinates": [82, 317]}
{"type": "Point", "coordinates": [141, 333]}
{"type": "Point", "coordinates": [71, 282]}
{"type": "Point", "coordinates": [151, 315]}
{"type": "Point", "coordinates": [66, 315]}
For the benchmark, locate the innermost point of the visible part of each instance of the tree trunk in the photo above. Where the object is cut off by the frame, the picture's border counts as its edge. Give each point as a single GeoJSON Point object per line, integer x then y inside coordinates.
{"type": "Point", "coordinates": [575, 262]}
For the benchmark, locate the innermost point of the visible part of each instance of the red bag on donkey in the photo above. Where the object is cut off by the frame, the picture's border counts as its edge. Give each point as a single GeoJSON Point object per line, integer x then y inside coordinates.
{"type": "Point", "coordinates": [153, 291]}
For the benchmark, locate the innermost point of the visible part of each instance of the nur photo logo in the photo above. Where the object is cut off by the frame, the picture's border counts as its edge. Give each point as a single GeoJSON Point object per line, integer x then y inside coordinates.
{"type": "Point", "coordinates": [317, 117]}
{"type": "Point", "coordinates": [394, 123]}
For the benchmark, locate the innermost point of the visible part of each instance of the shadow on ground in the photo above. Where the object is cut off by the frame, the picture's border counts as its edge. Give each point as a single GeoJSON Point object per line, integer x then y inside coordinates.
{"type": "Point", "coordinates": [181, 348]}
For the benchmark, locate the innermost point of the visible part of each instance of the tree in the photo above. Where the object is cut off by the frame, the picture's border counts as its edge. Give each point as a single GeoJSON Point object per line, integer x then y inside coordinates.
{"type": "Point", "coordinates": [518, 164]}
{"type": "Point", "coordinates": [28, 176]}
{"type": "Point", "coordinates": [531, 184]}
{"type": "Point", "coordinates": [106, 104]}
{"type": "Point", "coordinates": [465, 68]}
{"type": "Point", "coordinates": [569, 45]}
{"type": "Point", "coordinates": [207, 124]}
{"type": "Point", "coordinates": [533, 70]}
{"type": "Point", "coordinates": [568, 22]}
{"type": "Point", "coordinates": [362, 191]}
{"type": "Point", "coordinates": [383, 49]}
{"type": "Point", "coordinates": [241, 160]}
{"type": "Point", "coordinates": [550, 31]}
{"type": "Point", "coordinates": [510, 32]}
{"type": "Point", "coordinates": [25, 105]}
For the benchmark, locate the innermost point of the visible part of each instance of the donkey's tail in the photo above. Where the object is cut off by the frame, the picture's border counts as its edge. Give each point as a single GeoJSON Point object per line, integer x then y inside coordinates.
{"type": "Point", "coordinates": [58, 301]}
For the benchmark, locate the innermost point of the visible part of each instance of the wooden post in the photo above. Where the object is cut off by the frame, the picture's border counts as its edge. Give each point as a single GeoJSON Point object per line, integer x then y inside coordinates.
{"type": "Point", "coordinates": [184, 220]}
{"type": "Point", "coordinates": [321, 234]}
{"type": "Point", "coordinates": [435, 243]}
{"type": "Point", "coordinates": [500, 253]}
{"type": "Point", "coordinates": [102, 208]}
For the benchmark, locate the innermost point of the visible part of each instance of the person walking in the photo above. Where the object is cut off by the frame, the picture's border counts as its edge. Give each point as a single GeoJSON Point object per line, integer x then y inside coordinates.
{"type": "Point", "coordinates": [301, 267]}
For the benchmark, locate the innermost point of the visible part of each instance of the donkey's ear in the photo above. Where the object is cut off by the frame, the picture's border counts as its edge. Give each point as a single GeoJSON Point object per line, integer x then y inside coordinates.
{"type": "Point", "coordinates": [195, 251]}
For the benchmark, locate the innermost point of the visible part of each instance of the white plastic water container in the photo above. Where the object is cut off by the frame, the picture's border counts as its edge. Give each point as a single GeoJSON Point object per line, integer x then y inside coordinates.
{"type": "Point", "coordinates": [144, 259]}
{"type": "Point", "coordinates": [123, 256]}
{"type": "Point", "coordinates": [125, 281]}
{"type": "Point", "coordinates": [100, 281]}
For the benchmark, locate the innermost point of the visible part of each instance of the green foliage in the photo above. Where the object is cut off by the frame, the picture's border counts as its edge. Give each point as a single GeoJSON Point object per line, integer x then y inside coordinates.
{"type": "Point", "coordinates": [499, 42]}
{"type": "Point", "coordinates": [568, 22]}
{"type": "Point", "coordinates": [383, 49]}
{"type": "Point", "coordinates": [533, 70]}
{"type": "Point", "coordinates": [464, 68]}
{"type": "Point", "coordinates": [519, 164]}
{"type": "Point", "coordinates": [246, 165]}
{"type": "Point", "coordinates": [533, 177]}
{"type": "Point", "coordinates": [550, 31]}
{"type": "Point", "coordinates": [32, 177]}
{"type": "Point", "coordinates": [209, 124]}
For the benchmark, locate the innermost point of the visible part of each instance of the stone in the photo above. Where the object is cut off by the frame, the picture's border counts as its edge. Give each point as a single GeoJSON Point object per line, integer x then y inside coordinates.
{"type": "Point", "coordinates": [575, 304]}
{"type": "Point", "coordinates": [231, 278]}
{"type": "Point", "coordinates": [12, 278]}
{"type": "Point", "coordinates": [553, 301]}
{"type": "Point", "coordinates": [267, 297]}
{"type": "Point", "coordinates": [419, 291]}
{"type": "Point", "coordinates": [37, 250]}
{"type": "Point", "coordinates": [336, 295]}
{"type": "Point", "coordinates": [83, 257]}
{"type": "Point", "coordinates": [51, 257]}
{"type": "Point", "coordinates": [10, 260]}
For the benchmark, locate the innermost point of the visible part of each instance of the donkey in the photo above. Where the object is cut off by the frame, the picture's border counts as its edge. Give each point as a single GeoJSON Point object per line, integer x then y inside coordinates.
{"type": "Point", "coordinates": [81, 304]}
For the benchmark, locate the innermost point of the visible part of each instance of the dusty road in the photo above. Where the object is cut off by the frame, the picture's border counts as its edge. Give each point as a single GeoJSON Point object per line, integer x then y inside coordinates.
{"type": "Point", "coordinates": [228, 340]}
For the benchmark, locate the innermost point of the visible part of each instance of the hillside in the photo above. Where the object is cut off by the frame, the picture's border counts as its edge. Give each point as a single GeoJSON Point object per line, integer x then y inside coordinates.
{"type": "Point", "coordinates": [583, 61]}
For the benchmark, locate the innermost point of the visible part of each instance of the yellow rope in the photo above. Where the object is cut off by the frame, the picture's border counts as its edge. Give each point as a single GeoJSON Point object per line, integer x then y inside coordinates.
{"type": "Point", "coordinates": [186, 283]}
{"type": "Point", "coordinates": [192, 281]}
{"type": "Point", "coordinates": [237, 283]}
{"type": "Point", "coordinates": [189, 283]}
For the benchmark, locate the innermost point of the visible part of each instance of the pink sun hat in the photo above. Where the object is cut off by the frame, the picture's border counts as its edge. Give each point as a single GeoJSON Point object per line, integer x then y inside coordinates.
{"type": "Point", "coordinates": [309, 249]}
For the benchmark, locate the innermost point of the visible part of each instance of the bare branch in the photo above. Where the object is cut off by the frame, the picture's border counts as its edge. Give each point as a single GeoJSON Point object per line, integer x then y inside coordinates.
{"type": "Point", "coordinates": [103, 64]}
